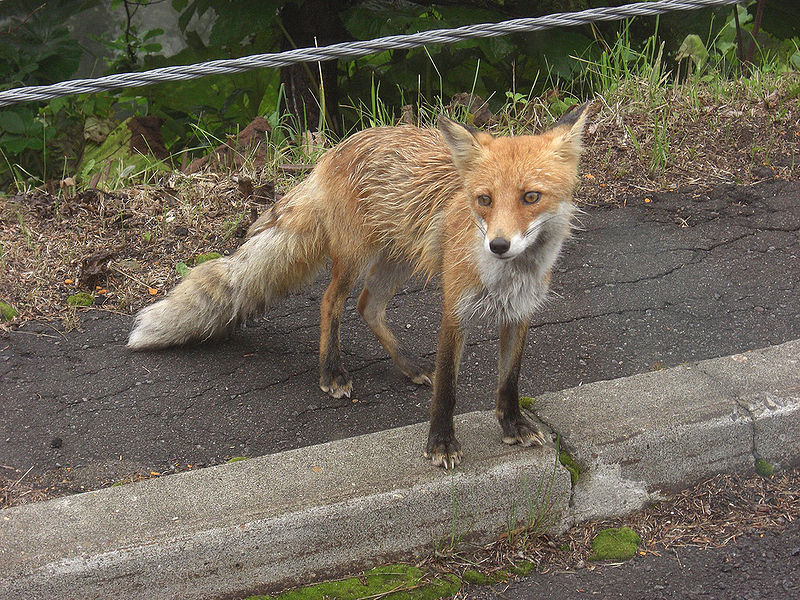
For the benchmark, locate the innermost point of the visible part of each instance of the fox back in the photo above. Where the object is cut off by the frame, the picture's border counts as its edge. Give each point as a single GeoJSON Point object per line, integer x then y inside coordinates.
{"type": "Point", "coordinates": [419, 195]}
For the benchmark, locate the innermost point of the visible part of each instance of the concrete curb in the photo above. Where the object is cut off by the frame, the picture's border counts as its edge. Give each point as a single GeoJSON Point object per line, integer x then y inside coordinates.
{"type": "Point", "coordinates": [641, 436]}
{"type": "Point", "coordinates": [279, 520]}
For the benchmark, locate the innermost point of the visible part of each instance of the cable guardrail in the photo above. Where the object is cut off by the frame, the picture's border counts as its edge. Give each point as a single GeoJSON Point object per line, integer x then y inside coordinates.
{"type": "Point", "coordinates": [350, 50]}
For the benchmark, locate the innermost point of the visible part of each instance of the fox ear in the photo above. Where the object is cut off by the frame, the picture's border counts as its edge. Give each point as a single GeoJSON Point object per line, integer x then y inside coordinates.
{"type": "Point", "coordinates": [462, 141]}
{"type": "Point", "coordinates": [567, 133]}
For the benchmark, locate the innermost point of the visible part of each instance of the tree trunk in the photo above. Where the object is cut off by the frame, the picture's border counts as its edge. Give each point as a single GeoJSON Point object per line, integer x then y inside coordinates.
{"type": "Point", "coordinates": [307, 23]}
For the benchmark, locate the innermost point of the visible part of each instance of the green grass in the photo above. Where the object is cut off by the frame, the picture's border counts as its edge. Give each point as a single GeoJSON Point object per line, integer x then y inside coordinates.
{"type": "Point", "coordinates": [618, 70]}
{"type": "Point", "coordinates": [459, 526]}
{"type": "Point", "coordinates": [522, 530]}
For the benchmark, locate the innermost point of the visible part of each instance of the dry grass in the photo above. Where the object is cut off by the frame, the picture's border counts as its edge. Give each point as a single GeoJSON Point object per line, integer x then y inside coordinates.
{"type": "Point", "coordinates": [733, 133]}
{"type": "Point", "coordinates": [646, 139]}
{"type": "Point", "coordinates": [123, 246]}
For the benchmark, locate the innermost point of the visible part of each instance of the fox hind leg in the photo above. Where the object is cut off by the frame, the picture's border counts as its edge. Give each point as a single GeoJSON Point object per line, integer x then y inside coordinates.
{"type": "Point", "coordinates": [383, 280]}
{"type": "Point", "coordinates": [334, 378]}
{"type": "Point", "coordinates": [516, 428]}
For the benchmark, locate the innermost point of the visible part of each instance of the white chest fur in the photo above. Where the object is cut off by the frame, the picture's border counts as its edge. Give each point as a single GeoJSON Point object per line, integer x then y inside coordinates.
{"type": "Point", "coordinates": [514, 289]}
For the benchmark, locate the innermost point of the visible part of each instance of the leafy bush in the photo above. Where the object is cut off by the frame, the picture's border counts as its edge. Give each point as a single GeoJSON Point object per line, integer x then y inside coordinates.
{"type": "Point", "coordinates": [44, 141]}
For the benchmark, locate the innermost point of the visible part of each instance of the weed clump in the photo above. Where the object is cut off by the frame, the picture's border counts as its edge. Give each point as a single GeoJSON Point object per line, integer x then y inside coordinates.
{"type": "Point", "coordinates": [395, 582]}
{"type": "Point", "coordinates": [7, 312]}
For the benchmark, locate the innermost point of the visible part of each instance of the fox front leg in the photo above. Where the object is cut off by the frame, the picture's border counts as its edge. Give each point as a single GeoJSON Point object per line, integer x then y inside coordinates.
{"type": "Point", "coordinates": [443, 448]}
{"type": "Point", "coordinates": [516, 428]}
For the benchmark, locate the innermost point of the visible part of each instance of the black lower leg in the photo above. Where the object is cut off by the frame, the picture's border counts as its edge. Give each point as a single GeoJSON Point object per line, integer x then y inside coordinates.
{"type": "Point", "coordinates": [442, 447]}
{"type": "Point", "coordinates": [516, 428]}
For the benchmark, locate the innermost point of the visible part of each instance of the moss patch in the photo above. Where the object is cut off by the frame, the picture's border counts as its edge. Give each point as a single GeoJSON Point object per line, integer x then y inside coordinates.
{"type": "Point", "coordinates": [526, 402]}
{"type": "Point", "coordinates": [7, 312]}
{"type": "Point", "coordinates": [522, 568]}
{"type": "Point", "coordinates": [201, 258]}
{"type": "Point", "coordinates": [617, 543]}
{"type": "Point", "coordinates": [474, 577]}
{"type": "Point", "coordinates": [763, 468]}
{"type": "Point", "coordinates": [565, 458]}
{"type": "Point", "coordinates": [80, 299]}
{"type": "Point", "coordinates": [390, 582]}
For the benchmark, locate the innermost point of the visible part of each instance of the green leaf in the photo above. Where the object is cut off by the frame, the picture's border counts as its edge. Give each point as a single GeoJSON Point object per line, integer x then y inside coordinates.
{"type": "Point", "coordinates": [7, 312]}
{"type": "Point", "coordinates": [182, 268]}
{"type": "Point", "coordinates": [201, 258]}
{"type": "Point", "coordinates": [242, 19]}
{"type": "Point", "coordinates": [12, 122]}
{"type": "Point", "coordinates": [151, 34]}
{"type": "Point", "coordinates": [694, 49]}
{"type": "Point", "coordinates": [19, 143]}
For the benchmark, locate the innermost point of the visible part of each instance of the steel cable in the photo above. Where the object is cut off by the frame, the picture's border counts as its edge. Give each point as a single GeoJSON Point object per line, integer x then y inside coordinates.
{"type": "Point", "coordinates": [349, 49]}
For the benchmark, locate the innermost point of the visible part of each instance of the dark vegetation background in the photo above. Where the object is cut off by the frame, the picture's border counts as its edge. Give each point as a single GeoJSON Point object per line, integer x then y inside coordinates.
{"type": "Point", "coordinates": [45, 41]}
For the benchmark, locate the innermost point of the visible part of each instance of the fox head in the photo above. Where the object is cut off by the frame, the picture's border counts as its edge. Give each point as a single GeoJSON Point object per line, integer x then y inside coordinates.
{"type": "Point", "coordinates": [515, 185]}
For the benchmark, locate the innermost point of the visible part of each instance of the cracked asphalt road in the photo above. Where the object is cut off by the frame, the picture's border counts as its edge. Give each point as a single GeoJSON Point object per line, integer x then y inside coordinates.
{"type": "Point", "coordinates": [684, 276]}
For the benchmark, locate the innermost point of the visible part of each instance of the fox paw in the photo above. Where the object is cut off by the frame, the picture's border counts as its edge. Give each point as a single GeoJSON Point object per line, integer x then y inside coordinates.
{"type": "Point", "coordinates": [444, 453]}
{"type": "Point", "coordinates": [336, 385]}
{"type": "Point", "coordinates": [419, 374]}
{"type": "Point", "coordinates": [421, 378]}
{"type": "Point", "coordinates": [521, 431]}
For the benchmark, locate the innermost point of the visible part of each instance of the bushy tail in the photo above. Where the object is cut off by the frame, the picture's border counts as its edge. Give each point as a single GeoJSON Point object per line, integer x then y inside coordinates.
{"type": "Point", "coordinates": [219, 294]}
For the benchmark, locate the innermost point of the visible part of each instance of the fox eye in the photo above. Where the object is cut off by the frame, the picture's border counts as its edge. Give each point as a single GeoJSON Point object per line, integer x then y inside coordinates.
{"type": "Point", "coordinates": [484, 200]}
{"type": "Point", "coordinates": [531, 197]}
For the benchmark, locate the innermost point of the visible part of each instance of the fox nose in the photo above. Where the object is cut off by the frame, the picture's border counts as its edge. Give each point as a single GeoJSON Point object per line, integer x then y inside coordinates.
{"type": "Point", "coordinates": [499, 245]}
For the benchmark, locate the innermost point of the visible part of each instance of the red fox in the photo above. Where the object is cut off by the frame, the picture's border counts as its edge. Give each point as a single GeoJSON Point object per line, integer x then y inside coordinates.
{"type": "Point", "coordinates": [486, 214]}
